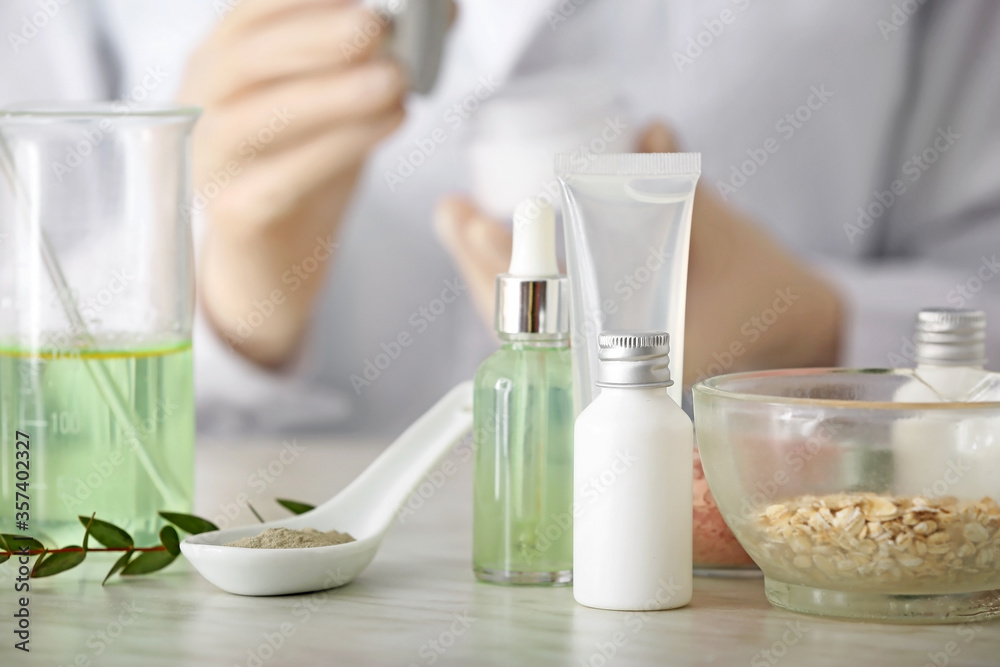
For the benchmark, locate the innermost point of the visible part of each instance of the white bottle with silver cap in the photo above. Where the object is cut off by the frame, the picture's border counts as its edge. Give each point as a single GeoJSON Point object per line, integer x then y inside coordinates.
{"type": "Point", "coordinates": [932, 455]}
{"type": "Point", "coordinates": [632, 482]}
{"type": "Point", "coordinates": [950, 352]}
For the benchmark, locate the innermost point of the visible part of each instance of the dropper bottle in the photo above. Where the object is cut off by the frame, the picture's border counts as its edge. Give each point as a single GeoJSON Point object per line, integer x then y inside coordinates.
{"type": "Point", "coordinates": [523, 418]}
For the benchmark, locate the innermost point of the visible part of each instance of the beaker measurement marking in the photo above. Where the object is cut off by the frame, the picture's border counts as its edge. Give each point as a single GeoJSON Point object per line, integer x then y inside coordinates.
{"type": "Point", "coordinates": [65, 422]}
{"type": "Point", "coordinates": [36, 422]}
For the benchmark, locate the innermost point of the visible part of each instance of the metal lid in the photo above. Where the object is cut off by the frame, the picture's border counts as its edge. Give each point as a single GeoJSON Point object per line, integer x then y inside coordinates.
{"type": "Point", "coordinates": [532, 305]}
{"type": "Point", "coordinates": [417, 38]}
{"type": "Point", "coordinates": [950, 337]}
{"type": "Point", "coordinates": [633, 359]}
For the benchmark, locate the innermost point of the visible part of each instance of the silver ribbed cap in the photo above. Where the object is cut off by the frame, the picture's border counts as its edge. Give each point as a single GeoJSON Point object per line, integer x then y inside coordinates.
{"type": "Point", "coordinates": [634, 359]}
{"type": "Point", "coordinates": [950, 337]}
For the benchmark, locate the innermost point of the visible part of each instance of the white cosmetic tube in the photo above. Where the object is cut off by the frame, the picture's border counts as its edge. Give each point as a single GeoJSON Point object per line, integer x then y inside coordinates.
{"type": "Point", "coordinates": [627, 222]}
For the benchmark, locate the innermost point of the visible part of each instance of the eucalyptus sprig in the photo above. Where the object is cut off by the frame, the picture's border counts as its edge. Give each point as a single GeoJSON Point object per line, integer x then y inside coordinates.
{"type": "Point", "coordinates": [115, 539]}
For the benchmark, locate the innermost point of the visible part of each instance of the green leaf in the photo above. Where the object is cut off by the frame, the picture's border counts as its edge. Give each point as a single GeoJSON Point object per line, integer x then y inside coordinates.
{"type": "Point", "coordinates": [119, 564]}
{"type": "Point", "coordinates": [38, 562]}
{"type": "Point", "coordinates": [108, 534]}
{"type": "Point", "coordinates": [15, 542]}
{"type": "Point", "coordinates": [86, 533]}
{"type": "Point", "coordinates": [259, 517]}
{"type": "Point", "coordinates": [189, 523]}
{"type": "Point", "coordinates": [294, 506]}
{"type": "Point", "coordinates": [4, 558]}
{"type": "Point", "coordinates": [149, 561]}
{"type": "Point", "coordinates": [58, 562]}
{"type": "Point", "coordinates": [168, 536]}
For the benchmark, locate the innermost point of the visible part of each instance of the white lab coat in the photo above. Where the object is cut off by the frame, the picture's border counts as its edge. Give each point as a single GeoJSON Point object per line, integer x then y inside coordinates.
{"type": "Point", "coordinates": [804, 113]}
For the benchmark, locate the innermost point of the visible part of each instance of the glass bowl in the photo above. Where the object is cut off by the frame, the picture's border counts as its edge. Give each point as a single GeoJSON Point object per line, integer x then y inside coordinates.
{"type": "Point", "coordinates": [854, 504]}
{"type": "Point", "coordinates": [717, 552]}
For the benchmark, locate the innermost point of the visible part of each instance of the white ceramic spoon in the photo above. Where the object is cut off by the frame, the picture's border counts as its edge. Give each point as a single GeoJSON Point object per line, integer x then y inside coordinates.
{"type": "Point", "coordinates": [366, 509]}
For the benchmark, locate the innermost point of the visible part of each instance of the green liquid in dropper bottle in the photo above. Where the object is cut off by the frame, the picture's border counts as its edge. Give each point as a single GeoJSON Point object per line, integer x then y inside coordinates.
{"type": "Point", "coordinates": [523, 417]}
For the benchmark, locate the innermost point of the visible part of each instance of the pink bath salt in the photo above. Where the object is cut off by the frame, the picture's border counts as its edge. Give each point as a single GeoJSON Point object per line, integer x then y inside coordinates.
{"type": "Point", "coordinates": [714, 544]}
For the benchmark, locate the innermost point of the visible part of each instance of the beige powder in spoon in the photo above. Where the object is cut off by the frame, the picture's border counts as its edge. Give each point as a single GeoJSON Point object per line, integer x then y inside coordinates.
{"type": "Point", "coordinates": [288, 538]}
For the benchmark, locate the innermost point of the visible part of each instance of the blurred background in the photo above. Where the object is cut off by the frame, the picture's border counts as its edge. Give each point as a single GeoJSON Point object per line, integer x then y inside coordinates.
{"type": "Point", "coordinates": [349, 229]}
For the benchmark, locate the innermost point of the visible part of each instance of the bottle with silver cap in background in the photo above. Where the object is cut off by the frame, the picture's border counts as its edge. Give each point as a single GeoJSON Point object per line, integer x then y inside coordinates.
{"type": "Point", "coordinates": [633, 453]}
{"type": "Point", "coordinates": [950, 353]}
{"type": "Point", "coordinates": [523, 418]}
{"type": "Point", "coordinates": [934, 456]}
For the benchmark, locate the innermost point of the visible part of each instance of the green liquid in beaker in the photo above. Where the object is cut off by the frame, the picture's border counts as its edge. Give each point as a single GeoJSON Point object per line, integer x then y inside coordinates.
{"type": "Point", "coordinates": [82, 458]}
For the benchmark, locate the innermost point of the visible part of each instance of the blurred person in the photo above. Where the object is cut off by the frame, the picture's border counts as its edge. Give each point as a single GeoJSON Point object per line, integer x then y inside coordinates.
{"type": "Point", "coordinates": [851, 171]}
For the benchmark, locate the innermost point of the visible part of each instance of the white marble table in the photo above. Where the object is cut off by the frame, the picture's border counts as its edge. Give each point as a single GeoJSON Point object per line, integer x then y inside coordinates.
{"type": "Point", "coordinates": [418, 603]}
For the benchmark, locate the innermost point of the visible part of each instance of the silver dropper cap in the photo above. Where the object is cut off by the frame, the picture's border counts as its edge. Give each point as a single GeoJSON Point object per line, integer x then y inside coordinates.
{"type": "Point", "coordinates": [531, 306]}
{"type": "Point", "coordinates": [532, 297]}
{"type": "Point", "coordinates": [633, 359]}
{"type": "Point", "coordinates": [950, 337]}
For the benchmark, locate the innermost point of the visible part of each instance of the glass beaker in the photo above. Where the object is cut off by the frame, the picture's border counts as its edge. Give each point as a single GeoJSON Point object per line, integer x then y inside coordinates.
{"type": "Point", "coordinates": [96, 307]}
